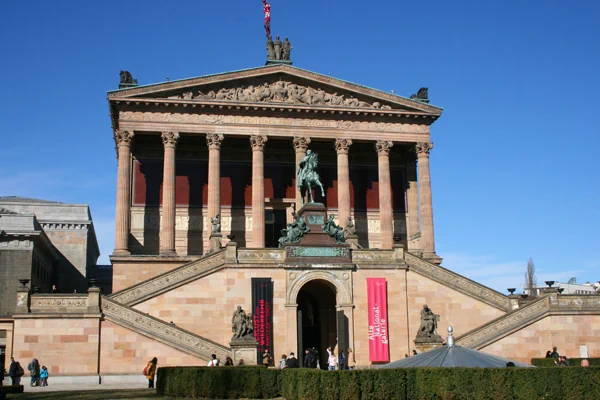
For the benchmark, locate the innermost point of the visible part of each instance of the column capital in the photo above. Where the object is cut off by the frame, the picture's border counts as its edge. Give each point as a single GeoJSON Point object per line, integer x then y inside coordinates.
{"type": "Point", "coordinates": [423, 148]}
{"type": "Point", "coordinates": [258, 142]}
{"type": "Point", "coordinates": [213, 140]}
{"type": "Point", "coordinates": [301, 143]}
{"type": "Point", "coordinates": [170, 139]}
{"type": "Point", "coordinates": [383, 147]}
{"type": "Point", "coordinates": [123, 138]}
{"type": "Point", "coordinates": [343, 145]}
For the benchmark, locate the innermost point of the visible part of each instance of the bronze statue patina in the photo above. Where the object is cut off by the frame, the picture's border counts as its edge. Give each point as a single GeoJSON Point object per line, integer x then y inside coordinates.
{"type": "Point", "coordinates": [429, 322]}
{"type": "Point", "coordinates": [294, 231]}
{"type": "Point", "coordinates": [308, 178]}
{"type": "Point", "coordinates": [333, 230]}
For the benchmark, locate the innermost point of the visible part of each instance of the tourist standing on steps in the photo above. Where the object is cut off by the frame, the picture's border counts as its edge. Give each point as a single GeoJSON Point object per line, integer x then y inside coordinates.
{"type": "Point", "coordinates": [34, 371]}
{"type": "Point", "coordinates": [292, 361]}
{"type": "Point", "coordinates": [331, 361]}
{"type": "Point", "coordinates": [282, 362]}
{"type": "Point", "coordinates": [150, 371]}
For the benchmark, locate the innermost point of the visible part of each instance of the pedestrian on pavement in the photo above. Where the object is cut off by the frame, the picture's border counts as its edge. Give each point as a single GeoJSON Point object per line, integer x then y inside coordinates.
{"type": "Point", "coordinates": [292, 361]}
{"type": "Point", "coordinates": [309, 359]}
{"type": "Point", "coordinates": [214, 362]}
{"type": "Point", "coordinates": [150, 371]}
{"type": "Point", "coordinates": [555, 354]}
{"type": "Point", "coordinates": [266, 358]}
{"type": "Point", "coordinates": [34, 371]}
{"type": "Point", "coordinates": [44, 375]}
{"type": "Point", "coordinates": [331, 361]}
{"type": "Point", "coordinates": [351, 360]}
{"type": "Point", "coordinates": [15, 372]}
{"type": "Point", "coordinates": [228, 361]}
{"type": "Point", "coordinates": [342, 360]}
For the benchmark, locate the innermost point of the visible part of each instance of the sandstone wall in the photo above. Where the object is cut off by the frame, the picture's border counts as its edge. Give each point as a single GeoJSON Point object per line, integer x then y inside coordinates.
{"type": "Point", "coordinates": [464, 313]}
{"type": "Point", "coordinates": [129, 274]}
{"type": "Point", "coordinates": [205, 306]}
{"type": "Point", "coordinates": [127, 352]}
{"type": "Point", "coordinates": [567, 332]}
{"type": "Point", "coordinates": [66, 346]}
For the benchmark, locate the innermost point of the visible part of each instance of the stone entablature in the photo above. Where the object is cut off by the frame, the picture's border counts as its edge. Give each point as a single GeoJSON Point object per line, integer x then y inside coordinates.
{"type": "Point", "coordinates": [458, 282]}
{"type": "Point", "coordinates": [59, 303]}
{"type": "Point", "coordinates": [64, 226]}
{"type": "Point", "coordinates": [260, 256]}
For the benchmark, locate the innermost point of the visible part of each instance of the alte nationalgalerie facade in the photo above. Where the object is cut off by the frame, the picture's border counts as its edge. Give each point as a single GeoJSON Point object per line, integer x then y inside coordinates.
{"type": "Point", "coordinates": [229, 145]}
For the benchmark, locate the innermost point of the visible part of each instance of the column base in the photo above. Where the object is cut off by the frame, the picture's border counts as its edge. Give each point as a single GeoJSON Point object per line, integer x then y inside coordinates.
{"type": "Point", "coordinates": [168, 253]}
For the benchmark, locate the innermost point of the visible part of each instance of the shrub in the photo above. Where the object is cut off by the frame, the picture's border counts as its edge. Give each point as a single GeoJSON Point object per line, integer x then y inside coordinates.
{"type": "Point", "coordinates": [375, 384]}
{"type": "Point", "coordinates": [573, 362]}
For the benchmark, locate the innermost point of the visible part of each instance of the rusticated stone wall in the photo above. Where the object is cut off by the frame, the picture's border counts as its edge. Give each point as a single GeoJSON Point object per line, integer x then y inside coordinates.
{"type": "Point", "coordinates": [66, 346]}
{"type": "Point", "coordinates": [566, 332]}
{"type": "Point", "coordinates": [127, 352]}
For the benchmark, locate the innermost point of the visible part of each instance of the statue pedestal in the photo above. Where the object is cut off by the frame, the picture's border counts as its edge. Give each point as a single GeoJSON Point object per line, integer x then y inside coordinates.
{"type": "Point", "coordinates": [215, 242]}
{"type": "Point", "coordinates": [244, 349]}
{"type": "Point", "coordinates": [426, 343]}
{"type": "Point", "coordinates": [317, 246]}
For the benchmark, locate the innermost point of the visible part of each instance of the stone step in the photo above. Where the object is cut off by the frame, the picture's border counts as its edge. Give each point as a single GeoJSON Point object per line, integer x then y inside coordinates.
{"type": "Point", "coordinates": [170, 280]}
{"type": "Point", "coordinates": [161, 331]}
{"type": "Point", "coordinates": [505, 325]}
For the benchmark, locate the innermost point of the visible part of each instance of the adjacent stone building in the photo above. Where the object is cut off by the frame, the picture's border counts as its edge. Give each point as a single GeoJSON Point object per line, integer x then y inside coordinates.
{"type": "Point", "coordinates": [206, 187]}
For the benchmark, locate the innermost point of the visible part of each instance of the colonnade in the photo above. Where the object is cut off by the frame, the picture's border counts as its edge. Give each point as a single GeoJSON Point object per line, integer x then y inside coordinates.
{"type": "Point", "coordinates": [257, 142]}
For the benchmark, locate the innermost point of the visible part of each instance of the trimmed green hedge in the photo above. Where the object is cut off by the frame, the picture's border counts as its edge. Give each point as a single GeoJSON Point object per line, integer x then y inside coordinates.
{"type": "Point", "coordinates": [573, 362]}
{"type": "Point", "coordinates": [395, 384]}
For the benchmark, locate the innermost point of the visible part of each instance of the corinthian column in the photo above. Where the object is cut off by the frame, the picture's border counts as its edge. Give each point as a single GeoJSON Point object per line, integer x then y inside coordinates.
{"type": "Point", "coordinates": [213, 140]}
{"type": "Point", "coordinates": [123, 140]}
{"type": "Point", "coordinates": [258, 190]}
{"type": "Point", "coordinates": [386, 213]}
{"type": "Point", "coordinates": [412, 199]}
{"type": "Point", "coordinates": [300, 146]}
{"type": "Point", "coordinates": [427, 238]}
{"type": "Point", "coordinates": [343, 179]}
{"type": "Point", "coordinates": [167, 234]}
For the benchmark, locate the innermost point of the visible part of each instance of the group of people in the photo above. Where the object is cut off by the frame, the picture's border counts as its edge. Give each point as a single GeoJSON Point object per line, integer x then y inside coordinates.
{"type": "Point", "coordinates": [563, 361]}
{"type": "Point", "coordinates": [38, 374]}
{"type": "Point", "coordinates": [311, 359]}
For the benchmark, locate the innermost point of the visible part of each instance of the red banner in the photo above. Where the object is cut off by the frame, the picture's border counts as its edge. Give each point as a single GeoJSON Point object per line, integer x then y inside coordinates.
{"type": "Point", "coordinates": [379, 350]}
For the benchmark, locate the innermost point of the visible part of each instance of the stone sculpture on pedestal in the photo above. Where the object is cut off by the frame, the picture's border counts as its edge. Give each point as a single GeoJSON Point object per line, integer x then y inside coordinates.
{"type": "Point", "coordinates": [308, 178]}
{"type": "Point", "coordinates": [243, 344]}
{"type": "Point", "coordinates": [427, 336]}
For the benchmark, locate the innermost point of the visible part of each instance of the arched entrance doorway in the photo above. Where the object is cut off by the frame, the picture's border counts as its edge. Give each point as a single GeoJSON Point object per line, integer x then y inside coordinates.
{"type": "Point", "coordinates": [317, 324]}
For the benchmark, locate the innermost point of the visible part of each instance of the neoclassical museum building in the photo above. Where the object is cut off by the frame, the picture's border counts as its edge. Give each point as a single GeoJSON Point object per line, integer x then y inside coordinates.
{"type": "Point", "coordinates": [209, 217]}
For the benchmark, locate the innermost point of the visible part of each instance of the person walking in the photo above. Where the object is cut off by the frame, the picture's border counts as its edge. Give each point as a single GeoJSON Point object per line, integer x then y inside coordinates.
{"type": "Point", "coordinates": [351, 360]}
{"type": "Point", "coordinates": [150, 371]}
{"type": "Point", "coordinates": [331, 361]}
{"type": "Point", "coordinates": [309, 359]}
{"type": "Point", "coordinates": [34, 371]}
{"type": "Point", "coordinates": [266, 359]}
{"type": "Point", "coordinates": [15, 372]}
{"type": "Point", "coordinates": [292, 361]}
{"type": "Point", "coordinates": [44, 375]}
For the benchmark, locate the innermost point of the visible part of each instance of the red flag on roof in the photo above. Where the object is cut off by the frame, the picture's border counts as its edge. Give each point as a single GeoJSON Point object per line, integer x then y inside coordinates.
{"type": "Point", "coordinates": [267, 10]}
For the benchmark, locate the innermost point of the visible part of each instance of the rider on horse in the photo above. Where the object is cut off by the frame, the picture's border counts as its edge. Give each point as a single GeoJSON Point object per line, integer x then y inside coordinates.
{"type": "Point", "coordinates": [308, 177]}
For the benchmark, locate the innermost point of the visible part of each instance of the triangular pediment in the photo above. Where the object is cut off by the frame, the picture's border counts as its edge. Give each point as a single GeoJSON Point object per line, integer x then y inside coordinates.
{"type": "Point", "coordinates": [276, 85]}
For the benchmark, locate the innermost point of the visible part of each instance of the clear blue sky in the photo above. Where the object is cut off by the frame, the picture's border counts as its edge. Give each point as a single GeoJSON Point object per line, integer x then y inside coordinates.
{"type": "Point", "coordinates": [514, 168]}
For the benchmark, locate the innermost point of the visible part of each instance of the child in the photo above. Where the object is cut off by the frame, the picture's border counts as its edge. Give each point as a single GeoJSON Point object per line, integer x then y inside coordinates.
{"type": "Point", "coordinates": [44, 375]}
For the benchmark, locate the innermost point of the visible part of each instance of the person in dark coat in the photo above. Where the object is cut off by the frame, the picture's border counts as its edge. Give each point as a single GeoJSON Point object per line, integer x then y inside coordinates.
{"type": "Point", "coordinates": [1, 372]}
{"type": "Point", "coordinates": [309, 359]}
{"type": "Point", "coordinates": [292, 361]}
{"type": "Point", "coordinates": [13, 372]}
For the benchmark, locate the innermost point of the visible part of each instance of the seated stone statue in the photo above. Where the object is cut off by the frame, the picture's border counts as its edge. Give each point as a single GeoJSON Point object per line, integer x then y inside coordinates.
{"type": "Point", "coordinates": [429, 322]}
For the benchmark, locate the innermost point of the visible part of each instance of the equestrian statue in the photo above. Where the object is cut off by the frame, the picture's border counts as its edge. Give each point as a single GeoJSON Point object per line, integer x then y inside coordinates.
{"type": "Point", "coordinates": [308, 179]}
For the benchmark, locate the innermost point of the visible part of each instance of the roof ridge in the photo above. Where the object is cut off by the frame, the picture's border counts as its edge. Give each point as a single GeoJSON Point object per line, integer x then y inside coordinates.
{"type": "Point", "coordinates": [19, 199]}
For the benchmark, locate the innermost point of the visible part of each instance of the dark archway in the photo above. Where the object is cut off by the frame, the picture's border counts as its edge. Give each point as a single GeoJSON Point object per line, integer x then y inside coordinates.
{"type": "Point", "coordinates": [317, 319]}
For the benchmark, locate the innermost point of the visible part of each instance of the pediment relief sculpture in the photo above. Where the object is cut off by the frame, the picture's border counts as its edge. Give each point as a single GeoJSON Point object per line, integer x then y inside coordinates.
{"type": "Point", "coordinates": [280, 92]}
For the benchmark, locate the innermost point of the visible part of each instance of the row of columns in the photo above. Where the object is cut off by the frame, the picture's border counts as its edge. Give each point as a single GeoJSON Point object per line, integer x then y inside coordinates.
{"type": "Point", "coordinates": [257, 142]}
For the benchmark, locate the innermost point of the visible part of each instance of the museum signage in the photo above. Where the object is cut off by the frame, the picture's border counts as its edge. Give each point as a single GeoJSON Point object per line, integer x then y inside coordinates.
{"type": "Point", "coordinates": [378, 324]}
{"type": "Point", "coordinates": [262, 312]}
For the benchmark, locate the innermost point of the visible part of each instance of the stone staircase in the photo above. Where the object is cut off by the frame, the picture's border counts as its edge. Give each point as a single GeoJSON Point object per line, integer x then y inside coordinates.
{"type": "Point", "coordinates": [550, 304]}
{"type": "Point", "coordinates": [457, 282]}
{"type": "Point", "coordinates": [118, 308]}
{"type": "Point", "coordinates": [161, 331]}
{"type": "Point", "coordinates": [170, 280]}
